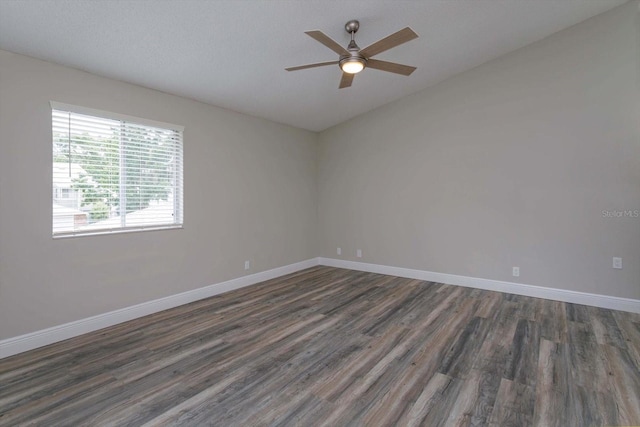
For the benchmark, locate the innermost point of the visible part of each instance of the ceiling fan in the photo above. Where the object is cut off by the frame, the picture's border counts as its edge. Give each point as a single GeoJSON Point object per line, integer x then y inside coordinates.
{"type": "Point", "coordinates": [353, 59]}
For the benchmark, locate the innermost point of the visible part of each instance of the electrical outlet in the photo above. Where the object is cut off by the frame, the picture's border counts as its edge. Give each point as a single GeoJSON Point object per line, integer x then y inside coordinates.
{"type": "Point", "coordinates": [516, 271]}
{"type": "Point", "coordinates": [339, 251]}
{"type": "Point", "coordinates": [247, 265]}
{"type": "Point", "coordinates": [359, 253]}
{"type": "Point", "coordinates": [617, 263]}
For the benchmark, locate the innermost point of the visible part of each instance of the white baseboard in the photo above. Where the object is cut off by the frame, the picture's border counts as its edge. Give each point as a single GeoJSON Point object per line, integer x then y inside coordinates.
{"type": "Point", "coordinates": [596, 300]}
{"type": "Point", "coordinates": [22, 343]}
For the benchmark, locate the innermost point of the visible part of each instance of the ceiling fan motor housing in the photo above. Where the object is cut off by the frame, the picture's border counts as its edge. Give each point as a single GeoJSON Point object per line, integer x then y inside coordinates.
{"type": "Point", "coordinates": [354, 51]}
{"type": "Point", "coordinates": [354, 57]}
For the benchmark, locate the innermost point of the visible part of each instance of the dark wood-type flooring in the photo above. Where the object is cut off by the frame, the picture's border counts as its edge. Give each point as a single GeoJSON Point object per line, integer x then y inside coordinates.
{"type": "Point", "coordinates": [333, 347]}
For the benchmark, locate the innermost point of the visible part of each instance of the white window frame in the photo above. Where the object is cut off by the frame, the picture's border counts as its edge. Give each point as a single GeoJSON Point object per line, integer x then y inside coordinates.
{"type": "Point", "coordinates": [178, 198]}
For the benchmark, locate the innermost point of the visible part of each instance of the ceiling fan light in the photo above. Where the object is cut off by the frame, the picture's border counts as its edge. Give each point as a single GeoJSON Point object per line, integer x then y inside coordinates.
{"type": "Point", "coordinates": [352, 66]}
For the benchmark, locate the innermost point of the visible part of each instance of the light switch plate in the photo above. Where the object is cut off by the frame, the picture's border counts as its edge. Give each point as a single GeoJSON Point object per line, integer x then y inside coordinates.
{"type": "Point", "coordinates": [617, 263]}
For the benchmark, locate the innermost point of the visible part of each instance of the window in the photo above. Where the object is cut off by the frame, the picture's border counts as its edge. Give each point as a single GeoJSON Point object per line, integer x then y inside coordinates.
{"type": "Point", "coordinates": [114, 173]}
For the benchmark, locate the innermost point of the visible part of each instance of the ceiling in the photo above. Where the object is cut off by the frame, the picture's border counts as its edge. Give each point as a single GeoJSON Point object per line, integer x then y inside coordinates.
{"type": "Point", "coordinates": [232, 53]}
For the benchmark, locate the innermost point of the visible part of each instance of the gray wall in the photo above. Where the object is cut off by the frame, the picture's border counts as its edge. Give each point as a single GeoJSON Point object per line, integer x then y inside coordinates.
{"type": "Point", "coordinates": [250, 193]}
{"type": "Point", "coordinates": [509, 164]}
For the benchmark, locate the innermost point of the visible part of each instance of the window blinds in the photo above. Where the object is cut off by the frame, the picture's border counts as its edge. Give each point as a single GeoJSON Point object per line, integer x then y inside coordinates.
{"type": "Point", "coordinates": [114, 173]}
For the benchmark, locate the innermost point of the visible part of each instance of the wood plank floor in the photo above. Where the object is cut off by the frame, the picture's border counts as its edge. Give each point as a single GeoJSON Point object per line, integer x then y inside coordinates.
{"type": "Point", "coordinates": [332, 347]}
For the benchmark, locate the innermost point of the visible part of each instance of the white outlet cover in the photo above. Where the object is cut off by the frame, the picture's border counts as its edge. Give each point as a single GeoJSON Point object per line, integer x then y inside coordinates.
{"type": "Point", "coordinates": [339, 251]}
{"type": "Point", "coordinates": [516, 271]}
{"type": "Point", "coordinates": [359, 253]}
{"type": "Point", "coordinates": [617, 263]}
{"type": "Point", "coordinates": [247, 265]}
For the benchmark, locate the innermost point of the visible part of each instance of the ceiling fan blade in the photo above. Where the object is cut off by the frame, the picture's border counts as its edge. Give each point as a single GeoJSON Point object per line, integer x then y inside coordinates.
{"type": "Point", "coordinates": [327, 41]}
{"type": "Point", "coordinates": [391, 67]}
{"type": "Point", "coordinates": [346, 80]}
{"type": "Point", "coordinates": [304, 67]}
{"type": "Point", "coordinates": [395, 39]}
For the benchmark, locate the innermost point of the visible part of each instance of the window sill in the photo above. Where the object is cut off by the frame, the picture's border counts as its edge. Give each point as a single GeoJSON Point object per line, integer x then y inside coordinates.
{"type": "Point", "coordinates": [115, 231]}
